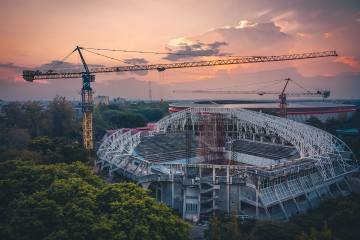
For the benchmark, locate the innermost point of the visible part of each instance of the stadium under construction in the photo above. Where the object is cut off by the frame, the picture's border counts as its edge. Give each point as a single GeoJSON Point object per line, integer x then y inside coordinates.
{"type": "Point", "coordinates": [201, 160]}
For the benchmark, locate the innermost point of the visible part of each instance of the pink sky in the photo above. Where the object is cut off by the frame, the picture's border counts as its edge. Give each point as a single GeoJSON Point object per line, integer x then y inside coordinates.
{"type": "Point", "coordinates": [37, 32]}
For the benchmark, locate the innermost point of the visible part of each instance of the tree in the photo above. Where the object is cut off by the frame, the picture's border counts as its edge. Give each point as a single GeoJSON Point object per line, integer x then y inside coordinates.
{"type": "Point", "coordinates": [57, 150]}
{"type": "Point", "coordinates": [324, 234]}
{"type": "Point", "coordinates": [214, 232]}
{"type": "Point", "coordinates": [14, 115]}
{"type": "Point", "coordinates": [265, 230]}
{"type": "Point", "coordinates": [232, 228]}
{"type": "Point", "coordinates": [34, 114]}
{"type": "Point", "coordinates": [61, 119]}
{"type": "Point", "coordinates": [315, 122]}
{"type": "Point", "coordinates": [14, 138]}
{"type": "Point", "coordinates": [66, 201]}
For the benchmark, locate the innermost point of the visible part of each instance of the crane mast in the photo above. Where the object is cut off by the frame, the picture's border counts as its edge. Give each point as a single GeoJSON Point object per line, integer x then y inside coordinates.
{"type": "Point", "coordinates": [87, 104]}
{"type": "Point", "coordinates": [88, 77]}
{"type": "Point", "coordinates": [282, 97]}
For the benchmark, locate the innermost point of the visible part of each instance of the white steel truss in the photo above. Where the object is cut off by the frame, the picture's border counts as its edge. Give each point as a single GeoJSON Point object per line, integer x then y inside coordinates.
{"type": "Point", "coordinates": [331, 155]}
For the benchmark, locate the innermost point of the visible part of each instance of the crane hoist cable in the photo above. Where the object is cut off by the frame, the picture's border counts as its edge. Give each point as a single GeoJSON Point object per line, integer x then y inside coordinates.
{"type": "Point", "coordinates": [194, 54]}
{"type": "Point", "coordinates": [298, 84]}
{"type": "Point", "coordinates": [112, 58]}
{"type": "Point", "coordinates": [243, 85]}
{"type": "Point", "coordinates": [275, 82]}
{"type": "Point", "coordinates": [59, 62]}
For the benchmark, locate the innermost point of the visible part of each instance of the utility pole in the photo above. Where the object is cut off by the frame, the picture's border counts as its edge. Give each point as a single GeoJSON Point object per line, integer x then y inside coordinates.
{"type": "Point", "coordinates": [150, 95]}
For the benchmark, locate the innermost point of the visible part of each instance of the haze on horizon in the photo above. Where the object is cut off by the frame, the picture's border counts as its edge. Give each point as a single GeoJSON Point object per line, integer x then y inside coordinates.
{"type": "Point", "coordinates": [35, 33]}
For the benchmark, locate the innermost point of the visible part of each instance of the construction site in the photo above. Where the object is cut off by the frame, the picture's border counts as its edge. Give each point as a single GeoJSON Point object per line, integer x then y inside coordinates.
{"type": "Point", "coordinates": [203, 159]}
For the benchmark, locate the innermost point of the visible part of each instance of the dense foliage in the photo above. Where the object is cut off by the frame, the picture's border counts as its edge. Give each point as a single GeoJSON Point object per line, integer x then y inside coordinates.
{"type": "Point", "coordinates": [334, 219]}
{"type": "Point", "coordinates": [331, 125]}
{"type": "Point", "coordinates": [46, 193]}
{"type": "Point", "coordinates": [44, 134]}
{"type": "Point", "coordinates": [127, 115]}
{"type": "Point", "coordinates": [52, 133]}
{"type": "Point", "coordinates": [67, 201]}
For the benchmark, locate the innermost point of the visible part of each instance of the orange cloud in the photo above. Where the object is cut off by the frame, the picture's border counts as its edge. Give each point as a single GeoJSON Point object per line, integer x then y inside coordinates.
{"type": "Point", "coordinates": [328, 35]}
{"type": "Point", "coordinates": [350, 61]}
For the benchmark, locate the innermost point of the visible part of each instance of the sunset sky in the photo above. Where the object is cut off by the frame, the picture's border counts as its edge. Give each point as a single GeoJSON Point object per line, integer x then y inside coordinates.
{"type": "Point", "coordinates": [34, 33]}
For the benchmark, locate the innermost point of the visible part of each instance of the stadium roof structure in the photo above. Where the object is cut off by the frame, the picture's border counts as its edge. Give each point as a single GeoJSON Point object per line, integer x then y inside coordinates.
{"type": "Point", "coordinates": [327, 152]}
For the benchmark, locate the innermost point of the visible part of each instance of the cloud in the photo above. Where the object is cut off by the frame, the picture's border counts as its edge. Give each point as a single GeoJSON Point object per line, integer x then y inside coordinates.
{"type": "Point", "coordinates": [10, 66]}
{"type": "Point", "coordinates": [350, 61]}
{"type": "Point", "coordinates": [249, 38]}
{"type": "Point", "coordinates": [61, 66]}
{"type": "Point", "coordinates": [10, 72]}
{"type": "Point", "coordinates": [187, 49]}
{"type": "Point", "coordinates": [244, 38]}
{"type": "Point", "coordinates": [135, 61]}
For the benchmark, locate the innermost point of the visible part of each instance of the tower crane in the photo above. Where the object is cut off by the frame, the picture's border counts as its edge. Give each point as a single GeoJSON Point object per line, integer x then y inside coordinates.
{"type": "Point", "coordinates": [88, 76]}
{"type": "Point", "coordinates": [282, 95]}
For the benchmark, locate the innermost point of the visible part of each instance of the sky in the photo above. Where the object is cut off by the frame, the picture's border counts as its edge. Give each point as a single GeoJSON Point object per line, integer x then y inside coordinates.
{"type": "Point", "coordinates": [35, 34]}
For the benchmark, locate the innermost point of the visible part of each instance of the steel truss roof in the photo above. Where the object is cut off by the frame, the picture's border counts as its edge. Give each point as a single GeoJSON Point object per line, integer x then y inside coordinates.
{"type": "Point", "coordinates": [328, 152]}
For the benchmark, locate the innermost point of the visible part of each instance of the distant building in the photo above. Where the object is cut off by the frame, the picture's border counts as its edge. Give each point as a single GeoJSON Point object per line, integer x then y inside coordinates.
{"type": "Point", "coordinates": [119, 100]}
{"type": "Point", "coordinates": [104, 100]}
{"type": "Point", "coordinates": [347, 132]}
{"type": "Point", "coordinates": [299, 111]}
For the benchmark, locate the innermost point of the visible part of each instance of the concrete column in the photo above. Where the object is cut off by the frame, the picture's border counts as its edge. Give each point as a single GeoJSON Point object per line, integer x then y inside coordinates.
{"type": "Point", "coordinates": [329, 191]}
{"type": "Point", "coordinates": [341, 192]}
{"type": "Point", "coordinates": [228, 188]}
{"type": "Point", "coordinates": [257, 197]}
{"type": "Point", "coordinates": [213, 174]}
{"type": "Point", "coordinates": [280, 203]}
{"type": "Point", "coordinates": [184, 203]}
{"type": "Point", "coordinates": [172, 193]}
{"type": "Point", "coordinates": [306, 195]}
{"type": "Point", "coordinates": [238, 199]}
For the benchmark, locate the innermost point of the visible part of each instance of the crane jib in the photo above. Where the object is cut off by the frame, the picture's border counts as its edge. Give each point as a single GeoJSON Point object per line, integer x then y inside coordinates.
{"type": "Point", "coordinates": [29, 75]}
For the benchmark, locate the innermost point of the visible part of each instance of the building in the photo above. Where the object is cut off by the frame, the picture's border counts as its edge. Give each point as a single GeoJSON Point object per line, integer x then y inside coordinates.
{"type": "Point", "coordinates": [203, 160]}
{"type": "Point", "coordinates": [119, 100]}
{"type": "Point", "coordinates": [103, 100]}
{"type": "Point", "coordinates": [298, 111]}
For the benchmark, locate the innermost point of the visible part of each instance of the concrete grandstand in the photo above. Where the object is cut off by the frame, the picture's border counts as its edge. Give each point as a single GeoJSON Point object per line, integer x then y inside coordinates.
{"type": "Point", "coordinates": [204, 159]}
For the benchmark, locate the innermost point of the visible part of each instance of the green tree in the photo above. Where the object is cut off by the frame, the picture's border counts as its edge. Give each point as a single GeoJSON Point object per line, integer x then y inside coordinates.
{"type": "Point", "coordinates": [265, 230]}
{"type": "Point", "coordinates": [324, 234]}
{"type": "Point", "coordinates": [61, 119]}
{"type": "Point", "coordinates": [214, 231]}
{"type": "Point", "coordinates": [66, 201]}
{"type": "Point", "coordinates": [315, 122]}
{"type": "Point", "coordinates": [14, 138]}
{"type": "Point", "coordinates": [34, 114]}
{"type": "Point", "coordinates": [232, 228]}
